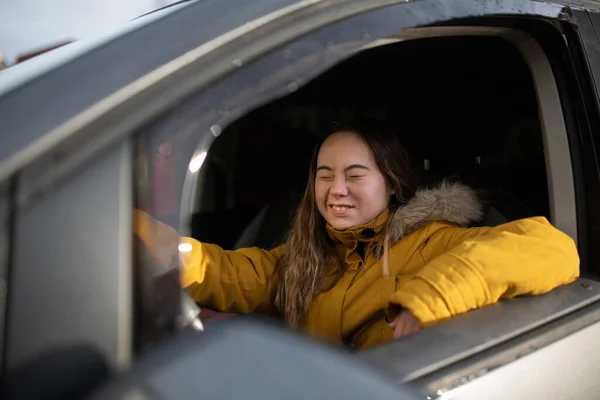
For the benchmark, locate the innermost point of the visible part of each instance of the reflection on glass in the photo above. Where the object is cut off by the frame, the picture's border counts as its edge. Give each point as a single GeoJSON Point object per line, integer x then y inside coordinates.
{"type": "Point", "coordinates": [197, 161]}
{"type": "Point", "coordinates": [163, 159]}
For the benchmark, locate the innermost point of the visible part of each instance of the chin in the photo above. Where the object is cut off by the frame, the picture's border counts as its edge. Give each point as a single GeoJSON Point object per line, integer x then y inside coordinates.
{"type": "Point", "coordinates": [341, 225]}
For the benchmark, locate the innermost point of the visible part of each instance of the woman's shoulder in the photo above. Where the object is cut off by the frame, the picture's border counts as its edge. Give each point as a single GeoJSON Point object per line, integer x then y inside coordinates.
{"type": "Point", "coordinates": [444, 205]}
{"type": "Point", "coordinates": [448, 233]}
{"type": "Point", "coordinates": [430, 228]}
{"type": "Point", "coordinates": [421, 236]}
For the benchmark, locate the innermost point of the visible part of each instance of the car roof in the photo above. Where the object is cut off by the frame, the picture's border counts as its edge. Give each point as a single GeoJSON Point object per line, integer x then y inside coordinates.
{"type": "Point", "coordinates": [48, 92]}
{"type": "Point", "coordinates": [17, 75]}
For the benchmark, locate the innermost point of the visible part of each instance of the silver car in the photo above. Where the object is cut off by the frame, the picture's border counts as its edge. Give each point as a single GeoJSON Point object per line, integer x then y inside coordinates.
{"type": "Point", "coordinates": [181, 112]}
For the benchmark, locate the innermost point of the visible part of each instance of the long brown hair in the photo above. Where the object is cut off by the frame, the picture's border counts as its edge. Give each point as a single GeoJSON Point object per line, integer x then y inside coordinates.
{"type": "Point", "coordinates": [308, 248]}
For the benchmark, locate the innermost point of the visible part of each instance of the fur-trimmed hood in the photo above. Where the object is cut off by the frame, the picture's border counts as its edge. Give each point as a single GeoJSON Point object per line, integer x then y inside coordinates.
{"type": "Point", "coordinates": [447, 201]}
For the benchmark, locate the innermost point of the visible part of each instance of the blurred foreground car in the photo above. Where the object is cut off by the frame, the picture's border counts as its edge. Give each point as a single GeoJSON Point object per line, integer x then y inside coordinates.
{"type": "Point", "coordinates": [183, 112]}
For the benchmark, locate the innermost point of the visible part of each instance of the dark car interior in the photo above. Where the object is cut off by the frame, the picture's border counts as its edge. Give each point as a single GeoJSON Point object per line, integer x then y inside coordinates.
{"type": "Point", "coordinates": [464, 107]}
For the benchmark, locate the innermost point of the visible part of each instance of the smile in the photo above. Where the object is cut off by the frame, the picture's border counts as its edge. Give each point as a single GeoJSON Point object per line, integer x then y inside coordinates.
{"type": "Point", "coordinates": [340, 207]}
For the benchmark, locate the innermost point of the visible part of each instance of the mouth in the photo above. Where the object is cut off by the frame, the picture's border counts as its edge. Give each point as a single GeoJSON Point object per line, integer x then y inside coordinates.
{"type": "Point", "coordinates": [340, 208]}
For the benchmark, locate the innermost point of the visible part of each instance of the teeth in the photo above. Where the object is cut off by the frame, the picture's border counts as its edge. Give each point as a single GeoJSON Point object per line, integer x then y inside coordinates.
{"type": "Point", "coordinates": [340, 208]}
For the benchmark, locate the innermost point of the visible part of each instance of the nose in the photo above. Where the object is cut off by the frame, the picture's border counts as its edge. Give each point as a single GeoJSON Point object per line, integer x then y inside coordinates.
{"type": "Point", "coordinates": [338, 187]}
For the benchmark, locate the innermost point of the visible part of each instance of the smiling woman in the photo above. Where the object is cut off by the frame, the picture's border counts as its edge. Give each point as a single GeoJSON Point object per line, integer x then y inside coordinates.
{"type": "Point", "coordinates": [369, 259]}
{"type": "Point", "coordinates": [354, 184]}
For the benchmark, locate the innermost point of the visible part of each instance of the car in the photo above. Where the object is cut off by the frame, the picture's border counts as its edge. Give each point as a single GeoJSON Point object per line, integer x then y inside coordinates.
{"type": "Point", "coordinates": [183, 113]}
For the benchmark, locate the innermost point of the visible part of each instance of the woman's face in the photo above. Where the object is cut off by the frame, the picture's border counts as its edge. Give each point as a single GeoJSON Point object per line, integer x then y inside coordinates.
{"type": "Point", "coordinates": [349, 188]}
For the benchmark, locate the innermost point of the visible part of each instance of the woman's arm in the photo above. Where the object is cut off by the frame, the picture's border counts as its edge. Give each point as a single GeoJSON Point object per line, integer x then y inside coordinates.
{"type": "Point", "coordinates": [223, 280]}
{"type": "Point", "coordinates": [230, 281]}
{"type": "Point", "coordinates": [468, 268]}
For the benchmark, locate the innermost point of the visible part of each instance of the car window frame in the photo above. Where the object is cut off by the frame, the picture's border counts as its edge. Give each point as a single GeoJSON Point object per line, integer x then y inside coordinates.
{"type": "Point", "coordinates": [216, 124]}
{"type": "Point", "coordinates": [584, 44]}
{"type": "Point", "coordinates": [504, 315]}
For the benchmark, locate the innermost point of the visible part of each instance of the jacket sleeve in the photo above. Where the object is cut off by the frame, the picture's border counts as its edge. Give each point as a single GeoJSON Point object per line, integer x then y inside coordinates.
{"type": "Point", "coordinates": [226, 280]}
{"type": "Point", "coordinates": [223, 280]}
{"type": "Point", "coordinates": [467, 268]}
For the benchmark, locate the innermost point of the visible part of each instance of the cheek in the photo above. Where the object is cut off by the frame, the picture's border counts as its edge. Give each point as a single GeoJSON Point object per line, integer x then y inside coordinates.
{"type": "Point", "coordinates": [320, 192]}
{"type": "Point", "coordinates": [373, 190]}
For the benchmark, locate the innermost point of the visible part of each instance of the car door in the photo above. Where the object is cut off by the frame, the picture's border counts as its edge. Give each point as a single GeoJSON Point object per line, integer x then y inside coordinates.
{"type": "Point", "coordinates": [72, 193]}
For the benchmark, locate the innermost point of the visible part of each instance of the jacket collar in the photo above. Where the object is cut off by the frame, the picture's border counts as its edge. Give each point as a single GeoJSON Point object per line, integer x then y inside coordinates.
{"type": "Point", "coordinates": [362, 233]}
{"type": "Point", "coordinates": [450, 202]}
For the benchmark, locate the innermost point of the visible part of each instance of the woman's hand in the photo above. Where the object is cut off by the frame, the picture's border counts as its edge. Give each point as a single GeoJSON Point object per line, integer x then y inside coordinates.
{"type": "Point", "coordinates": [405, 324]}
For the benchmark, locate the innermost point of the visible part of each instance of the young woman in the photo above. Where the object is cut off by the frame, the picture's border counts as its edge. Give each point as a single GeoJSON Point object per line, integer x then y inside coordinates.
{"type": "Point", "coordinates": [369, 258]}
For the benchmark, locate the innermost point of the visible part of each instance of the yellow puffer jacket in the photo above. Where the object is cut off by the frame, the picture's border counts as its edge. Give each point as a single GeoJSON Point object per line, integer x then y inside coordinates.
{"type": "Point", "coordinates": [437, 268]}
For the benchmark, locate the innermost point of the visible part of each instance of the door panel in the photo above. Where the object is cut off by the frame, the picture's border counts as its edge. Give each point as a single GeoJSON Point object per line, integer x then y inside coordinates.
{"type": "Point", "coordinates": [566, 369]}
{"type": "Point", "coordinates": [71, 267]}
{"type": "Point", "coordinates": [477, 331]}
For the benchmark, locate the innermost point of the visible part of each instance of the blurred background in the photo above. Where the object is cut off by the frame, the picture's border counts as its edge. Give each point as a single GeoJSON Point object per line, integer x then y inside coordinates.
{"type": "Point", "coordinates": [28, 27]}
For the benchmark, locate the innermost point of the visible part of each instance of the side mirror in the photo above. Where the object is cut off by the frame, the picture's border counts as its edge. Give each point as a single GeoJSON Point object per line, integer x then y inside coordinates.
{"type": "Point", "coordinates": [246, 358]}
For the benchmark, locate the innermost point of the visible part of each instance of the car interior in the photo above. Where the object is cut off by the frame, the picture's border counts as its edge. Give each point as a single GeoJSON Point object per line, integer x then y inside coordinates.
{"type": "Point", "coordinates": [464, 107]}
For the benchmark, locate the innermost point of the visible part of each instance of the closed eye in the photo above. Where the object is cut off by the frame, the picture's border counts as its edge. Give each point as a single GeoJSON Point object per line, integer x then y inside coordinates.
{"type": "Point", "coordinates": [325, 178]}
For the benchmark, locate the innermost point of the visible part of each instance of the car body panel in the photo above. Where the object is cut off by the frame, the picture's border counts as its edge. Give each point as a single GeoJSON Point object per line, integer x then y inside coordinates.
{"type": "Point", "coordinates": [71, 276]}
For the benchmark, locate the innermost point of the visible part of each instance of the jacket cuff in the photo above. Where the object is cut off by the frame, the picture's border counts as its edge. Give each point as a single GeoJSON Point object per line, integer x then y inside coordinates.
{"type": "Point", "coordinates": [192, 269]}
{"type": "Point", "coordinates": [421, 299]}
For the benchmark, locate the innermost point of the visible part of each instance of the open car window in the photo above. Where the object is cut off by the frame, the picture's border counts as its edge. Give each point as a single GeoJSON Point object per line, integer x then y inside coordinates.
{"type": "Point", "coordinates": [482, 99]}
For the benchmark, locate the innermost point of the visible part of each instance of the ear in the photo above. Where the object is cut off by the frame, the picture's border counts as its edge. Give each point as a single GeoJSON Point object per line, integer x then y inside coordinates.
{"type": "Point", "coordinates": [390, 190]}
